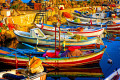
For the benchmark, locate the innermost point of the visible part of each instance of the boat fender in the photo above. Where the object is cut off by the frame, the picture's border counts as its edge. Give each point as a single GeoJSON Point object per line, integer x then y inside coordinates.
{"type": "Point", "coordinates": [110, 61]}
{"type": "Point", "coordinates": [106, 46]}
{"type": "Point", "coordinates": [10, 76]}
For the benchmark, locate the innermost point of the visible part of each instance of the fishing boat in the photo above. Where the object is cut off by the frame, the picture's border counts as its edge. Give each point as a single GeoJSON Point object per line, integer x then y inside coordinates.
{"type": "Point", "coordinates": [87, 20]}
{"type": "Point", "coordinates": [37, 37]}
{"type": "Point", "coordinates": [50, 30]}
{"type": "Point", "coordinates": [114, 76]}
{"type": "Point", "coordinates": [110, 26]}
{"type": "Point", "coordinates": [94, 16]}
{"type": "Point", "coordinates": [54, 58]}
{"type": "Point", "coordinates": [21, 74]}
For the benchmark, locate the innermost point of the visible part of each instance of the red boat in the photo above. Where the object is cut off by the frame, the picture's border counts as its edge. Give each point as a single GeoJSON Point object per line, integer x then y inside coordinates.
{"type": "Point", "coordinates": [113, 28]}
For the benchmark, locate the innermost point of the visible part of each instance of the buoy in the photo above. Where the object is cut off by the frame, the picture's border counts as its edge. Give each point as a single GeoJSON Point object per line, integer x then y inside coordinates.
{"type": "Point", "coordinates": [110, 61]}
{"type": "Point", "coordinates": [106, 46]}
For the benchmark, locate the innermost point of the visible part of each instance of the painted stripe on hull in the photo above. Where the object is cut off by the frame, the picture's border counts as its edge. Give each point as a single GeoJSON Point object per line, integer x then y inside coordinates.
{"type": "Point", "coordinates": [110, 26]}
{"type": "Point", "coordinates": [114, 27]}
{"type": "Point", "coordinates": [70, 42]}
{"type": "Point", "coordinates": [58, 63]}
{"type": "Point", "coordinates": [87, 34]}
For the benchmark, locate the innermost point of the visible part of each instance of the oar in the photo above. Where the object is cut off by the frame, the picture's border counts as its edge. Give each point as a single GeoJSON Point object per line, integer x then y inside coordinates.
{"type": "Point", "coordinates": [34, 47]}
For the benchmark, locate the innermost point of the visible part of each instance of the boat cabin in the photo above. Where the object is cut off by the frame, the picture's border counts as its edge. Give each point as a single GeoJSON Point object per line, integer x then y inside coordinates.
{"type": "Point", "coordinates": [36, 33]}
{"type": "Point", "coordinates": [99, 15]}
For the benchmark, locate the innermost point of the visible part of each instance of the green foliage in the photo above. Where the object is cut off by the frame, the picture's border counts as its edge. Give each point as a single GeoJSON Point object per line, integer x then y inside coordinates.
{"type": "Point", "coordinates": [14, 6]}
{"type": "Point", "coordinates": [79, 2]}
{"type": "Point", "coordinates": [62, 3]}
{"type": "Point", "coordinates": [72, 4]}
{"type": "Point", "coordinates": [88, 2]}
{"type": "Point", "coordinates": [20, 6]}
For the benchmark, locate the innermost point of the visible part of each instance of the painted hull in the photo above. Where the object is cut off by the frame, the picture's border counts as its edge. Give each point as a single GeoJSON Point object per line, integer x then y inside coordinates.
{"type": "Point", "coordinates": [87, 33]}
{"type": "Point", "coordinates": [56, 62]}
{"type": "Point", "coordinates": [85, 19]}
{"type": "Point", "coordinates": [51, 42]}
{"type": "Point", "coordinates": [113, 27]}
{"type": "Point", "coordinates": [113, 75]}
{"type": "Point", "coordinates": [38, 76]}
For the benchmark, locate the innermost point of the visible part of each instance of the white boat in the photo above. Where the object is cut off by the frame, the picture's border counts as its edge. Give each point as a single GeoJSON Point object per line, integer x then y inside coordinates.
{"type": "Point", "coordinates": [21, 74]}
{"type": "Point", "coordinates": [48, 29]}
{"type": "Point", "coordinates": [36, 36]}
{"type": "Point", "coordinates": [110, 26]}
{"type": "Point", "coordinates": [114, 76]}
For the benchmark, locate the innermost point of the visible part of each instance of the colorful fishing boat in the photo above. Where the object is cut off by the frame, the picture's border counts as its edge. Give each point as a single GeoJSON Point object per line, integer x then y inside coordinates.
{"type": "Point", "coordinates": [50, 30]}
{"type": "Point", "coordinates": [21, 74]}
{"type": "Point", "coordinates": [54, 58]}
{"type": "Point", "coordinates": [112, 27]}
{"type": "Point", "coordinates": [36, 36]}
{"type": "Point", "coordinates": [114, 76]}
{"type": "Point", "coordinates": [94, 16]}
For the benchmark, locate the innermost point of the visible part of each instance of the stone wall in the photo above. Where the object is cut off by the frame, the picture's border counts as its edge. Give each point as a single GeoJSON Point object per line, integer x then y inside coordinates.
{"type": "Point", "coordinates": [2, 1]}
{"type": "Point", "coordinates": [24, 20]}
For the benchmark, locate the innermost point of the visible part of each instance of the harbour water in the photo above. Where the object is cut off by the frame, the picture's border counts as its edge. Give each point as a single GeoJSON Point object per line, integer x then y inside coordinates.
{"type": "Point", "coordinates": [89, 72]}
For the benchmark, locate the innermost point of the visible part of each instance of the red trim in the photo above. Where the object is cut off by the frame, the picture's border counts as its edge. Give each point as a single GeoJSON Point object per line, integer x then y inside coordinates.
{"type": "Point", "coordinates": [75, 32]}
{"type": "Point", "coordinates": [93, 24]}
{"type": "Point", "coordinates": [94, 59]}
{"type": "Point", "coordinates": [76, 63]}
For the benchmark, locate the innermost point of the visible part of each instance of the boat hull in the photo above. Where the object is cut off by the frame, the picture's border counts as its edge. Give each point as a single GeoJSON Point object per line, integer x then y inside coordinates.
{"type": "Point", "coordinates": [113, 27]}
{"type": "Point", "coordinates": [51, 42]}
{"type": "Point", "coordinates": [114, 76]}
{"type": "Point", "coordinates": [93, 33]}
{"type": "Point", "coordinates": [56, 62]}
{"type": "Point", "coordinates": [37, 76]}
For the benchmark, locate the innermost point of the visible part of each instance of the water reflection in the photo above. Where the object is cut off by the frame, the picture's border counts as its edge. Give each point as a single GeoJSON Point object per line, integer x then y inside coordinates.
{"type": "Point", "coordinates": [92, 72]}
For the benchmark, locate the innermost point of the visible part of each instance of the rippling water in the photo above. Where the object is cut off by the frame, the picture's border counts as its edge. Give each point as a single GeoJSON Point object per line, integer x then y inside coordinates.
{"type": "Point", "coordinates": [89, 72]}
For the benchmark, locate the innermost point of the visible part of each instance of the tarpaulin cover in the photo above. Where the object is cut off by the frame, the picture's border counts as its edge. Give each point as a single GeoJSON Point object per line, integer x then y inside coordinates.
{"type": "Point", "coordinates": [50, 8]}
{"type": "Point", "coordinates": [72, 48]}
{"type": "Point", "coordinates": [51, 54]}
{"type": "Point", "coordinates": [66, 14]}
{"type": "Point", "coordinates": [35, 65]}
{"type": "Point", "coordinates": [1, 24]}
{"type": "Point", "coordinates": [77, 11]}
{"type": "Point", "coordinates": [65, 53]}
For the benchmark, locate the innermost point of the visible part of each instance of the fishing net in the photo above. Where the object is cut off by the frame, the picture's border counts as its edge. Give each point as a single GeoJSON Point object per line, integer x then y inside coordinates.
{"type": "Point", "coordinates": [35, 65]}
